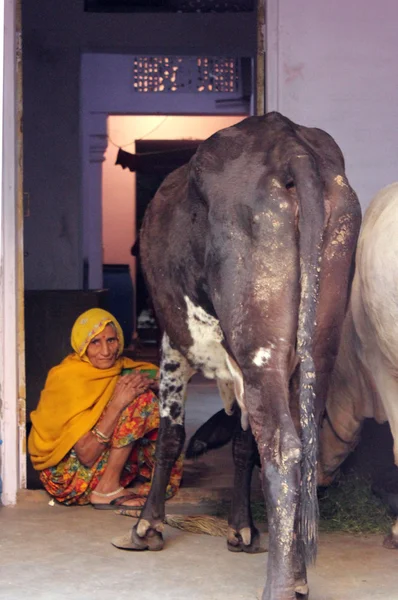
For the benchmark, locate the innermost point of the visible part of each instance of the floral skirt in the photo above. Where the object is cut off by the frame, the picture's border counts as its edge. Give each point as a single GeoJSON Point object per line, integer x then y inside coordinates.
{"type": "Point", "coordinates": [70, 482]}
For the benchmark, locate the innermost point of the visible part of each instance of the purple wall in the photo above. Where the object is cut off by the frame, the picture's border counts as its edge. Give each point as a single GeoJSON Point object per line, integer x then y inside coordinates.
{"type": "Point", "coordinates": [55, 34]}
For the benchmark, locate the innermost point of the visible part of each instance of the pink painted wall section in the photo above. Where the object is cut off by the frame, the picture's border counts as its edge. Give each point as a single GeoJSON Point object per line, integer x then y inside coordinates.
{"type": "Point", "coordinates": [337, 69]}
{"type": "Point", "coordinates": [118, 200]}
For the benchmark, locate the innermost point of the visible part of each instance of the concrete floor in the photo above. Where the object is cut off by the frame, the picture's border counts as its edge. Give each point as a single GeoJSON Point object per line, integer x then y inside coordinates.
{"type": "Point", "coordinates": [54, 552]}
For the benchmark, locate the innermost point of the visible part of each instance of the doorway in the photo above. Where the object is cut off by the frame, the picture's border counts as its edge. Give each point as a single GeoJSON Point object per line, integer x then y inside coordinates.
{"type": "Point", "coordinates": [156, 159]}
{"type": "Point", "coordinates": [141, 151]}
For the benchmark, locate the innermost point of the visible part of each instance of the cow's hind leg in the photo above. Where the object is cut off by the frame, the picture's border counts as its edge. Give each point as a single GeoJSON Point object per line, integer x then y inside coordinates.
{"type": "Point", "coordinates": [175, 373]}
{"type": "Point", "coordinates": [280, 453]}
{"type": "Point", "coordinates": [242, 534]}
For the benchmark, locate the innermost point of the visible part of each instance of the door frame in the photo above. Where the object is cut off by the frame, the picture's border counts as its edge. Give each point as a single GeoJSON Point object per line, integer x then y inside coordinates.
{"type": "Point", "coordinates": [12, 400]}
{"type": "Point", "coordinates": [95, 87]}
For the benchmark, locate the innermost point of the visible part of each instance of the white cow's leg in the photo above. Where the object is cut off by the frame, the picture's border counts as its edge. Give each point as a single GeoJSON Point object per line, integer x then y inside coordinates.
{"type": "Point", "coordinates": [387, 386]}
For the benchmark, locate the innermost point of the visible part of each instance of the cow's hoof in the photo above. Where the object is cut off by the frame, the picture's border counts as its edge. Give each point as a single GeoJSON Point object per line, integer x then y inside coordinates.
{"type": "Point", "coordinates": [245, 540]}
{"type": "Point", "coordinates": [153, 541]}
{"type": "Point", "coordinates": [391, 542]}
{"type": "Point", "coordinates": [299, 595]}
{"type": "Point", "coordinates": [301, 590]}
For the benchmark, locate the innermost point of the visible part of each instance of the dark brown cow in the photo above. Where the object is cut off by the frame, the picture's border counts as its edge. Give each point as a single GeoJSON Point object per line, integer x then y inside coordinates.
{"type": "Point", "coordinates": [247, 251]}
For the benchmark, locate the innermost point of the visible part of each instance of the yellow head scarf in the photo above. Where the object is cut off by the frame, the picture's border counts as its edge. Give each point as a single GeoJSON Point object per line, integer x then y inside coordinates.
{"type": "Point", "coordinates": [75, 393]}
{"type": "Point", "coordinates": [88, 325]}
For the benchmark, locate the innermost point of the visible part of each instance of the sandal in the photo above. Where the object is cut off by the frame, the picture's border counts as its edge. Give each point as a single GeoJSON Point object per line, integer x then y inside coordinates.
{"type": "Point", "coordinates": [118, 503]}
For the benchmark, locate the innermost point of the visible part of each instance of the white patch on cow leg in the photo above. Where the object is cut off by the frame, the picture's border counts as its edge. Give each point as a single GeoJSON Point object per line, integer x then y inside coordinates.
{"type": "Point", "coordinates": [175, 372]}
{"type": "Point", "coordinates": [239, 390]}
{"type": "Point", "coordinates": [262, 356]}
{"type": "Point", "coordinates": [142, 527]}
{"type": "Point", "coordinates": [206, 353]}
{"type": "Point", "coordinates": [340, 180]}
{"type": "Point", "coordinates": [276, 183]}
{"type": "Point", "coordinates": [246, 535]}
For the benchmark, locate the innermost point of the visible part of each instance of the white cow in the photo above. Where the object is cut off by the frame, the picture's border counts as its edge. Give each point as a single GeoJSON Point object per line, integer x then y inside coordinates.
{"type": "Point", "coordinates": [365, 378]}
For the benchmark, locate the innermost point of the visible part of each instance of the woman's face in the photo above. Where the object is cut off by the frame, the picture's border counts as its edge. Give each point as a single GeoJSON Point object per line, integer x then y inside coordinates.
{"type": "Point", "coordinates": [103, 349]}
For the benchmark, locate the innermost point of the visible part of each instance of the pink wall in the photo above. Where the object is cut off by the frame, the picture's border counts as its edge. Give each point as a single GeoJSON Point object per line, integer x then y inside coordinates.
{"type": "Point", "coordinates": [118, 199]}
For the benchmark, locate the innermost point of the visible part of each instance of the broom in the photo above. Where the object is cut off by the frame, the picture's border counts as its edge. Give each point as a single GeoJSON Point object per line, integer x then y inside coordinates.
{"type": "Point", "coordinates": [192, 523]}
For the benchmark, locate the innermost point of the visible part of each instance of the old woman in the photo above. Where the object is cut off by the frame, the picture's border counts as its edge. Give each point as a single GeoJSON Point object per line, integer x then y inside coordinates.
{"type": "Point", "coordinates": [95, 428]}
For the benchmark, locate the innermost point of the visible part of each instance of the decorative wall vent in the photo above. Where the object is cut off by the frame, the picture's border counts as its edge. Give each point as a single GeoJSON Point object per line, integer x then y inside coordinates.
{"type": "Point", "coordinates": [169, 6]}
{"type": "Point", "coordinates": [187, 74]}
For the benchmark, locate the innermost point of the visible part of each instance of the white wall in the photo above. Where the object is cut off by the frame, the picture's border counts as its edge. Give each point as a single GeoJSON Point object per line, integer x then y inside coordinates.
{"type": "Point", "coordinates": [335, 66]}
{"type": "Point", "coordinates": [118, 191]}
{"type": "Point", "coordinates": [9, 455]}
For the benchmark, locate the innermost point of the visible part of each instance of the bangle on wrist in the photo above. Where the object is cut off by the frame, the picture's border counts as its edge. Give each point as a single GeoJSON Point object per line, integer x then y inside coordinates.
{"type": "Point", "coordinates": [100, 437]}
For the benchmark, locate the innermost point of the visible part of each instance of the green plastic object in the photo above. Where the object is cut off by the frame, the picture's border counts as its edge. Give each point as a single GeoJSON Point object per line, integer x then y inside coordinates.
{"type": "Point", "coordinates": [150, 372]}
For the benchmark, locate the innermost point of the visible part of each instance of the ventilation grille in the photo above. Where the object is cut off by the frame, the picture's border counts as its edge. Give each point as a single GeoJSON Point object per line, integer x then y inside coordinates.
{"type": "Point", "coordinates": [186, 74]}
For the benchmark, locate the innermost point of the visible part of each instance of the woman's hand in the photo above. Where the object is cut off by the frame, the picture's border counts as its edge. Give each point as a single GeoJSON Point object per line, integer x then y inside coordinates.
{"type": "Point", "coordinates": [154, 383]}
{"type": "Point", "coordinates": [128, 388]}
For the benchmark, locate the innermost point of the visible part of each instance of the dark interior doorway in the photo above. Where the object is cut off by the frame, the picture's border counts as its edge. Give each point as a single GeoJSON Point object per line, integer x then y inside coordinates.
{"type": "Point", "coordinates": [152, 162]}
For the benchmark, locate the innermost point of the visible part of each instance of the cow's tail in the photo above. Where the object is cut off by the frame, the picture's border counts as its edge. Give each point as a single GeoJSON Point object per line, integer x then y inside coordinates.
{"type": "Point", "coordinates": [311, 224]}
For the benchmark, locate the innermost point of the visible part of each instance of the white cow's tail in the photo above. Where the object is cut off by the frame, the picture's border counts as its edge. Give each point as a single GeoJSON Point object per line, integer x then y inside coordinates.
{"type": "Point", "coordinates": [311, 224]}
